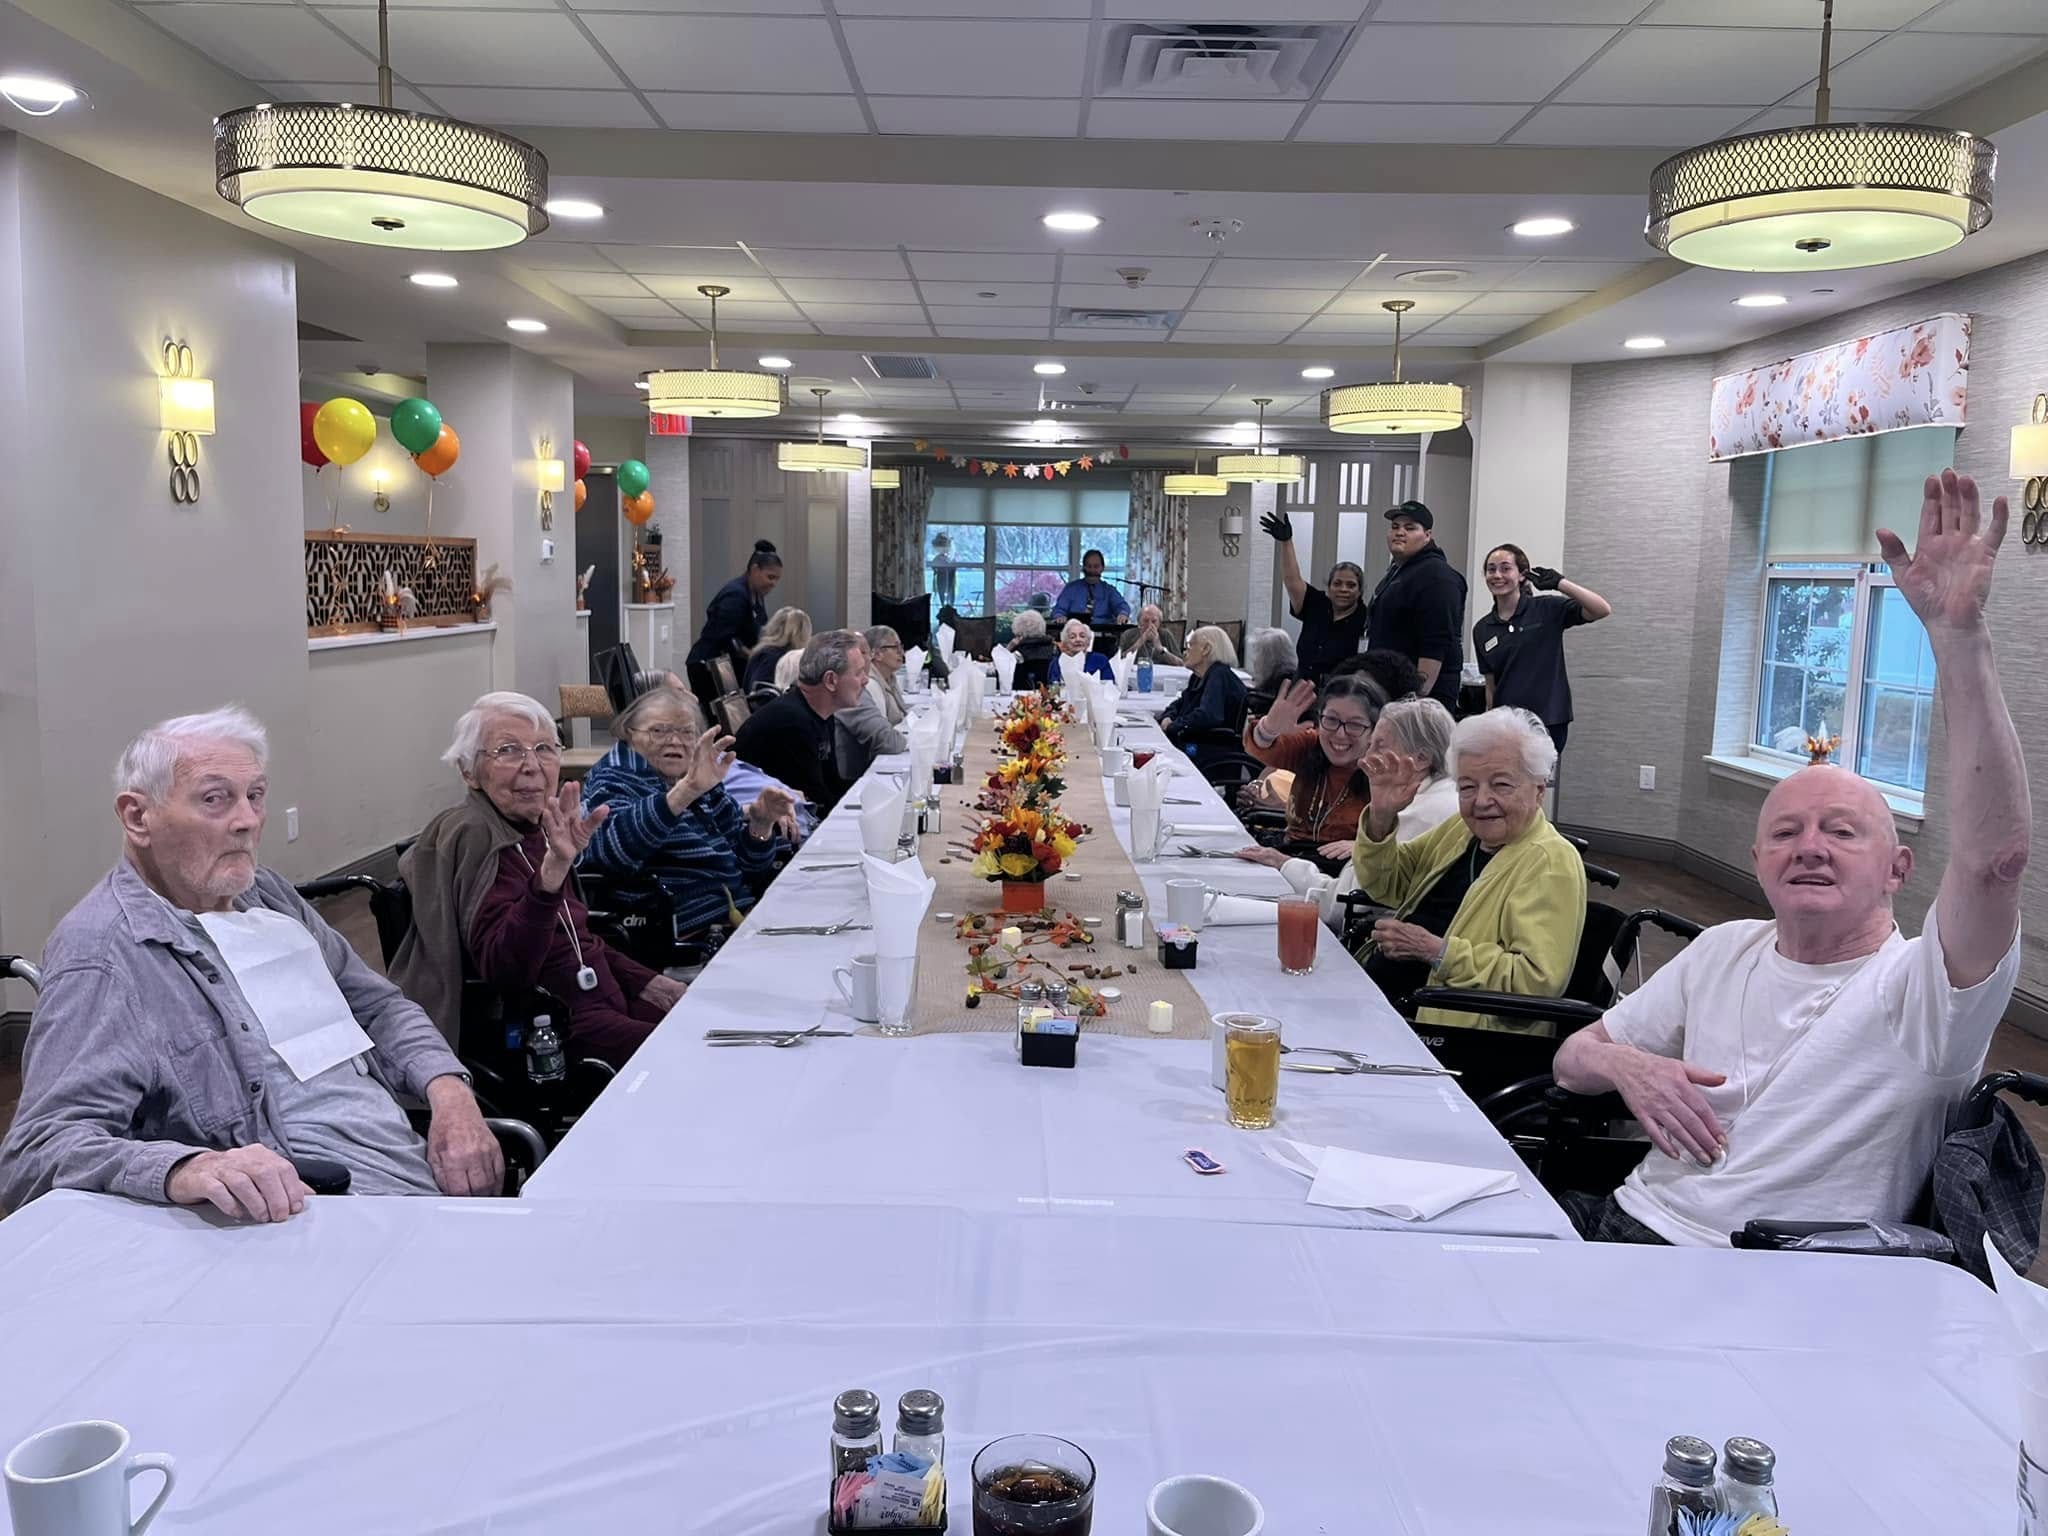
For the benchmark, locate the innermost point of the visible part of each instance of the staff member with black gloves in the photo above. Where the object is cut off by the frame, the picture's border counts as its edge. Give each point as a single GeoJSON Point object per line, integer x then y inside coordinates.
{"type": "Point", "coordinates": [1520, 644]}
{"type": "Point", "coordinates": [1332, 618]}
{"type": "Point", "coordinates": [733, 620]}
{"type": "Point", "coordinates": [1418, 608]}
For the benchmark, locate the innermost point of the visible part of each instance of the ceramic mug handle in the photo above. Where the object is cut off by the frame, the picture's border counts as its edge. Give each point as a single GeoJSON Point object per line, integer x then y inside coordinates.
{"type": "Point", "coordinates": [152, 1461]}
{"type": "Point", "coordinates": [843, 980]}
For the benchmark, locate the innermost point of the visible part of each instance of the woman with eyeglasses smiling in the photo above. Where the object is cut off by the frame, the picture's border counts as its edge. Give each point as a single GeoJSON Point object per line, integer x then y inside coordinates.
{"type": "Point", "coordinates": [1326, 757]}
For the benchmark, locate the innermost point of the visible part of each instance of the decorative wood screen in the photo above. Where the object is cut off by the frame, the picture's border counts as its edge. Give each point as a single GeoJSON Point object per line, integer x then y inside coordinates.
{"type": "Point", "coordinates": [345, 579]}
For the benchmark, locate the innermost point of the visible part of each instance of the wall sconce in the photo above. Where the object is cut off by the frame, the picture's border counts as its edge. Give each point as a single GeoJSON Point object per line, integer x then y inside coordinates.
{"type": "Point", "coordinates": [554, 476]}
{"type": "Point", "coordinates": [1232, 527]}
{"type": "Point", "coordinates": [2030, 463]}
{"type": "Point", "coordinates": [185, 410]}
{"type": "Point", "coordinates": [380, 499]}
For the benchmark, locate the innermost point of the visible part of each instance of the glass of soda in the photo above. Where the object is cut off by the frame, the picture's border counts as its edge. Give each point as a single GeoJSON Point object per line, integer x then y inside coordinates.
{"type": "Point", "coordinates": [1033, 1485]}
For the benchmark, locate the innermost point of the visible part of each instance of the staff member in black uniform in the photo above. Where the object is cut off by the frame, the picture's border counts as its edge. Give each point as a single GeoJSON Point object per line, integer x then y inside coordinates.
{"type": "Point", "coordinates": [1520, 645]}
{"type": "Point", "coordinates": [732, 622]}
{"type": "Point", "coordinates": [1418, 608]}
{"type": "Point", "coordinates": [1332, 618]}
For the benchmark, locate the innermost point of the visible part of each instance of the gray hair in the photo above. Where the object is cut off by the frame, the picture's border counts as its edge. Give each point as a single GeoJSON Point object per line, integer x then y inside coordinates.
{"type": "Point", "coordinates": [1218, 642]}
{"type": "Point", "coordinates": [655, 699]}
{"type": "Point", "coordinates": [785, 670]}
{"type": "Point", "coordinates": [786, 626]}
{"type": "Point", "coordinates": [879, 636]}
{"type": "Point", "coordinates": [149, 766]}
{"type": "Point", "coordinates": [1028, 625]}
{"type": "Point", "coordinates": [1088, 635]}
{"type": "Point", "coordinates": [1422, 728]}
{"type": "Point", "coordinates": [469, 730]}
{"type": "Point", "coordinates": [829, 652]}
{"type": "Point", "coordinates": [1145, 608]}
{"type": "Point", "coordinates": [1517, 727]}
{"type": "Point", "coordinates": [1269, 656]}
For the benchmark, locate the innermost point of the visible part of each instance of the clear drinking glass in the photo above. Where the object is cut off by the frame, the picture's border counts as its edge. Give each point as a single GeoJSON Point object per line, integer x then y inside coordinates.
{"type": "Point", "coordinates": [1033, 1485]}
{"type": "Point", "coordinates": [895, 987]}
{"type": "Point", "coordinates": [1299, 921]}
{"type": "Point", "coordinates": [1251, 1069]}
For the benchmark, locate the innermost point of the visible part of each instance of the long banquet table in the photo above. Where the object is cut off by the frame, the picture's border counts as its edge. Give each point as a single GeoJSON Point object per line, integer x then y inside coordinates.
{"type": "Point", "coordinates": [953, 1120]}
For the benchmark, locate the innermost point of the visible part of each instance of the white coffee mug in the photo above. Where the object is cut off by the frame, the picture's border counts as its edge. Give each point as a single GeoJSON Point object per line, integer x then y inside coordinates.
{"type": "Point", "coordinates": [1115, 760]}
{"type": "Point", "coordinates": [1202, 1506]}
{"type": "Point", "coordinates": [73, 1481]}
{"type": "Point", "coordinates": [1189, 902]}
{"type": "Point", "coordinates": [856, 984]}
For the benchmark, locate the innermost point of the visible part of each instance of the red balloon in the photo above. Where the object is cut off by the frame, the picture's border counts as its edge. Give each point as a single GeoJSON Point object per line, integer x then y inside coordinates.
{"type": "Point", "coordinates": [582, 460]}
{"type": "Point", "coordinates": [308, 449]}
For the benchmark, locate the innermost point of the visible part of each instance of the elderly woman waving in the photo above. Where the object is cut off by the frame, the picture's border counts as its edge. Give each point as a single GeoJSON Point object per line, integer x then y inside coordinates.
{"type": "Point", "coordinates": [1493, 898]}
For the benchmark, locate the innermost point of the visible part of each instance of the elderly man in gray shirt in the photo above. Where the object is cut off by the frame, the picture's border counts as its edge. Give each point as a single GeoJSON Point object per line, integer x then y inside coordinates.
{"type": "Point", "coordinates": [200, 1025]}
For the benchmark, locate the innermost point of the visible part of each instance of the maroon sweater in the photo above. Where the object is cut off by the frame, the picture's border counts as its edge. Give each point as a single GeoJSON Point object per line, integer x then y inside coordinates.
{"type": "Point", "coordinates": [519, 939]}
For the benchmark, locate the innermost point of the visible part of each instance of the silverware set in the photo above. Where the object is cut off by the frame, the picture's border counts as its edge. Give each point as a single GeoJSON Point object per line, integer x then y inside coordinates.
{"type": "Point", "coordinates": [1196, 851]}
{"type": "Point", "coordinates": [1354, 1063]}
{"type": "Point", "coordinates": [825, 929]}
{"type": "Point", "coordinates": [775, 1039]}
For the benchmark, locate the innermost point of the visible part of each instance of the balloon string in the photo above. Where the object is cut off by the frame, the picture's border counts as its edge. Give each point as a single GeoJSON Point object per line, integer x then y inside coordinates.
{"type": "Point", "coordinates": [429, 562]}
{"type": "Point", "coordinates": [331, 489]}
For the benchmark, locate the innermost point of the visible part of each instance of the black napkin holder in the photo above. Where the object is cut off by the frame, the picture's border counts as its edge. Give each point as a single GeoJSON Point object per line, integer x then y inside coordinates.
{"type": "Point", "coordinates": [1178, 949]}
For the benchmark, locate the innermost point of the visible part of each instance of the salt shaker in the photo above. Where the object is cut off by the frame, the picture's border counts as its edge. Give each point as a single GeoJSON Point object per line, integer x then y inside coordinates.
{"type": "Point", "coordinates": [1030, 1004]}
{"type": "Point", "coordinates": [1687, 1485]}
{"type": "Point", "coordinates": [1130, 919]}
{"type": "Point", "coordinates": [921, 1424]}
{"type": "Point", "coordinates": [856, 1430]}
{"type": "Point", "coordinates": [1748, 1478]}
{"type": "Point", "coordinates": [931, 811]}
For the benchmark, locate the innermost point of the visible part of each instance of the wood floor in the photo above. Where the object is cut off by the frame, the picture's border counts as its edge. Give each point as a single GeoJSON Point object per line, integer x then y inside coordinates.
{"type": "Point", "coordinates": [1643, 885]}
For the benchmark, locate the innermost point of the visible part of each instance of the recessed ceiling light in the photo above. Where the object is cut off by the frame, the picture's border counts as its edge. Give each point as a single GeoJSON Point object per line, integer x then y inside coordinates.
{"type": "Point", "coordinates": [1070, 221]}
{"type": "Point", "coordinates": [573, 208]}
{"type": "Point", "coordinates": [1319, 372]}
{"type": "Point", "coordinates": [37, 95]}
{"type": "Point", "coordinates": [1760, 301]}
{"type": "Point", "coordinates": [1243, 426]}
{"type": "Point", "coordinates": [1050, 370]}
{"type": "Point", "coordinates": [1543, 227]}
{"type": "Point", "coordinates": [1046, 424]}
{"type": "Point", "coordinates": [848, 419]}
{"type": "Point", "coordinates": [433, 279]}
{"type": "Point", "coordinates": [1643, 343]}
{"type": "Point", "coordinates": [529, 326]}
{"type": "Point", "coordinates": [776, 363]}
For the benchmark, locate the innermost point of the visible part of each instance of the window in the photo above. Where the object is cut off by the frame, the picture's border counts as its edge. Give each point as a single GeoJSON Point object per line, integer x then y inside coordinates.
{"type": "Point", "coordinates": [1006, 545]}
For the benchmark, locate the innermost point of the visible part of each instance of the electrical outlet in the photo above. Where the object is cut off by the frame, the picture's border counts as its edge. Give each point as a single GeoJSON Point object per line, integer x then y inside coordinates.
{"type": "Point", "coordinates": [664, 632]}
{"type": "Point", "coordinates": [1646, 776]}
{"type": "Point", "coordinates": [291, 823]}
{"type": "Point", "coordinates": [547, 551]}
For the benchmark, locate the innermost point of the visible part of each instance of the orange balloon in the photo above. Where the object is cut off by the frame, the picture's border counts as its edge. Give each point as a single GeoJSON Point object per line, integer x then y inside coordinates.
{"type": "Point", "coordinates": [638, 509]}
{"type": "Point", "coordinates": [440, 458]}
{"type": "Point", "coordinates": [580, 494]}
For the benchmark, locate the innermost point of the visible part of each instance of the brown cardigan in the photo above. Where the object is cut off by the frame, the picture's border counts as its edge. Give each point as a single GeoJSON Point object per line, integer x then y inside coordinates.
{"type": "Point", "coordinates": [1318, 811]}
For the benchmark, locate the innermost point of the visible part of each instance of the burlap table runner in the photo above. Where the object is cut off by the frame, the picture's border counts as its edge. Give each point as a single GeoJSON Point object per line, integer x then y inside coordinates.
{"type": "Point", "coordinates": [1087, 888]}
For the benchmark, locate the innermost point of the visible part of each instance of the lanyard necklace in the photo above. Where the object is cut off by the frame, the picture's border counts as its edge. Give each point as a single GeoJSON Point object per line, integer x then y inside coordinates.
{"type": "Point", "coordinates": [586, 978]}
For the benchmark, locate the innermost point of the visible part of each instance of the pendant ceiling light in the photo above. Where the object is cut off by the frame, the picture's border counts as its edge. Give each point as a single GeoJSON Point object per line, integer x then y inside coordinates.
{"type": "Point", "coordinates": [1260, 467]}
{"type": "Point", "coordinates": [1822, 196]}
{"type": "Point", "coordinates": [885, 479]}
{"type": "Point", "coordinates": [730, 394]}
{"type": "Point", "coordinates": [1195, 483]}
{"type": "Point", "coordinates": [820, 457]}
{"type": "Point", "coordinates": [1397, 407]}
{"type": "Point", "coordinates": [378, 176]}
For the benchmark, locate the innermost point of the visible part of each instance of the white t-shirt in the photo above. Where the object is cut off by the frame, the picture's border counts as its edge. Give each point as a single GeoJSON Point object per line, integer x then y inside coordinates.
{"type": "Point", "coordinates": [1839, 1076]}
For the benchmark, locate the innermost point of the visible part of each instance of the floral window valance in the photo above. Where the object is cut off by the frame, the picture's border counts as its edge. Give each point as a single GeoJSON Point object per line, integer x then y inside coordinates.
{"type": "Point", "coordinates": [1914, 376]}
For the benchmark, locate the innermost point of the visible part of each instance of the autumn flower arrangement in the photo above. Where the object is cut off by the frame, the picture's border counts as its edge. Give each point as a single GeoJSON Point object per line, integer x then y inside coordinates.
{"type": "Point", "coordinates": [1023, 843]}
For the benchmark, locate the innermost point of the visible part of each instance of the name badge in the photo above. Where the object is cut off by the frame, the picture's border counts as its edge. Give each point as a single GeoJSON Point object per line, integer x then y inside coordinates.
{"type": "Point", "coordinates": [1492, 642]}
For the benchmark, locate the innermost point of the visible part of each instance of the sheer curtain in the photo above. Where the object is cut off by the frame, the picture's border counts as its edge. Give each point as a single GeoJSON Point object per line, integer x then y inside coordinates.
{"type": "Point", "coordinates": [899, 535]}
{"type": "Point", "coordinates": [1158, 544]}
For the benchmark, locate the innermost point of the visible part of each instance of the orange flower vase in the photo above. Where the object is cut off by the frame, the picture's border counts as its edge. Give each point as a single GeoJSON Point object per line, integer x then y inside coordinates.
{"type": "Point", "coordinates": [1023, 895]}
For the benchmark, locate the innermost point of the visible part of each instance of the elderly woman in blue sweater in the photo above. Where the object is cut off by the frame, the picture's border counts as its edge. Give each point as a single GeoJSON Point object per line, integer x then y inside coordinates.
{"type": "Point", "coordinates": [674, 838]}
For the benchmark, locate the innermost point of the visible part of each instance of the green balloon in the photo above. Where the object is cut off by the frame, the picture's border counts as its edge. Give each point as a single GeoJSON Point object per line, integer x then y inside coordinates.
{"type": "Point", "coordinates": [632, 478]}
{"type": "Point", "coordinates": [416, 423]}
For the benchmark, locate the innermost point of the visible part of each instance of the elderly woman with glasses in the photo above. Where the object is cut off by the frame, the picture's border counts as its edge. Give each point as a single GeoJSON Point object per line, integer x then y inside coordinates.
{"type": "Point", "coordinates": [886, 658]}
{"type": "Point", "coordinates": [492, 894]}
{"type": "Point", "coordinates": [1329, 791]}
{"type": "Point", "coordinates": [675, 840]}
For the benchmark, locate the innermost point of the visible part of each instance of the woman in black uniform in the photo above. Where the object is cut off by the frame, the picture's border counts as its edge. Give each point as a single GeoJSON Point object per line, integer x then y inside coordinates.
{"type": "Point", "coordinates": [1520, 644]}
{"type": "Point", "coordinates": [732, 622]}
{"type": "Point", "coordinates": [1332, 618]}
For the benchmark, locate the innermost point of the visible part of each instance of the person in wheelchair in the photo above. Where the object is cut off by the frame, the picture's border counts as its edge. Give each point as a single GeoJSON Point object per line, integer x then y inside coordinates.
{"type": "Point", "coordinates": [200, 1026]}
{"type": "Point", "coordinates": [1327, 760]}
{"type": "Point", "coordinates": [1493, 898]}
{"type": "Point", "coordinates": [675, 842]}
{"type": "Point", "coordinates": [1211, 706]}
{"type": "Point", "coordinates": [1803, 1067]}
{"type": "Point", "coordinates": [1269, 657]}
{"type": "Point", "coordinates": [492, 895]}
{"type": "Point", "coordinates": [1144, 642]}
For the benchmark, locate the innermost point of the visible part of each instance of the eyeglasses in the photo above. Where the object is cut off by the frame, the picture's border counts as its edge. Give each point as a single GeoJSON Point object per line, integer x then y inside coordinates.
{"type": "Point", "coordinates": [1336, 725]}
{"type": "Point", "coordinates": [512, 754]}
{"type": "Point", "coordinates": [664, 732]}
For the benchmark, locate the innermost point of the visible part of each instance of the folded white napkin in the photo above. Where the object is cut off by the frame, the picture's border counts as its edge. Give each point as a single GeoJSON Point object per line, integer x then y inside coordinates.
{"type": "Point", "coordinates": [1404, 1188]}
{"type": "Point", "coordinates": [898, 895]}
{"type": "Point", "coordinates": [945, 640]}
{"type": "Point", "coordinates": [913, 661]}
{"type": "Point", "coordinates": [926, 737]}
{"type": "Point", "coordinates": [1006, 667]}
{"type": "Point", "coordinates": [1102, 712]}
{"type": "Point", "coordinates": [2026, 1304]}
{"type": "Point", "coordinates": [1125, 667]}
{"type": "Point", "coordinates": [881, 815]}
{"type": "Point", "coordinates": [1227, 911]}
{"type": "Point", "coordinates": [1204, 828]}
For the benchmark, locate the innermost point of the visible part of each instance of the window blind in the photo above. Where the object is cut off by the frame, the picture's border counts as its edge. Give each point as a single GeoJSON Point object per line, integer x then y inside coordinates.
{"type": "Point", "coordinates": [1826, 501]}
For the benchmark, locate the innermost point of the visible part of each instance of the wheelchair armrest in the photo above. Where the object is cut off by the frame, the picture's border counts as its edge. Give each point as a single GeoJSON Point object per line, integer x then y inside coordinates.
{"type": "Point", "coordinates": [1883, 1238]}
{"type": "Point", "coordinates": [1678, 927]}
{"type": "Point", "coordinates": [1508, 1005]}
{"type": "Point", "coordinates": [21, 968]}
{"type": "Point", "coordinates": [336, 885]}
{"type": "Point", "coordinates": [523, 1148]}
{"type": "Point", "coordinates": [1600, 874]}
{"type": "Point", "coordinates": [1262, 816]}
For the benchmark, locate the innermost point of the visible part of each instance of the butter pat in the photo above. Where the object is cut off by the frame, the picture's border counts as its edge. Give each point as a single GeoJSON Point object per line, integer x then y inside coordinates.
{"type": "Point", "coordinates": [1159, 1018]}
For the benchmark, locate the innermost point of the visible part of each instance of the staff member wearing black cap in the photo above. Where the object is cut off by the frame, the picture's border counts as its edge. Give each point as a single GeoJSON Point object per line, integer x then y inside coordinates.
{"type": "Point", "coordinates": [1418, 608]}
{"type": "Point", "coordinates": [1332, 617]}
{"type": "Point", "coordinates": [1520, 644]}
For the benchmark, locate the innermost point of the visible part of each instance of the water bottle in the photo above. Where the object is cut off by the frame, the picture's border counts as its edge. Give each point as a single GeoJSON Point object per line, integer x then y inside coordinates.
{"type": "Point", "coordinates": [545, 1061]}
{"type": "Point", "coordinates": [1144, 677]}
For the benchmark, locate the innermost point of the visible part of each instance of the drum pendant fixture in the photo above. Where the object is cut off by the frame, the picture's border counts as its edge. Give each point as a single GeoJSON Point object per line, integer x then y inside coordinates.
{"type": "Point", "coordinates": [820, 457]}
{"type": "Point", "coordinates": [1194, 483]}
{"type": "Point", "coordinates": [1394, 408]}
{"type": "Point", "coordinates": [379, 176]}
{"type": "Point", "coordinates": [1260, 467]}
{"type": "Point", "coordinates": [728, 394]}
{"type": "Point", "coordinates": [885, 479]}
{"type": "Point", "coordinates": [1824, 196]}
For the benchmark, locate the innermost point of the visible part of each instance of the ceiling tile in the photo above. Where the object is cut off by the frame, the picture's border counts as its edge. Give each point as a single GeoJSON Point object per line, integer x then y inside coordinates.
{"type": "Point", "coordinates": [683, 289]}
{"type": "Point", "coordinates": [265, 42]}
{"type": "Point", "coordinates": [1663, 127]}
{"type": "Point", "coordinates": [352, 91]}
{"type": "Point", "coordinates": [1454, 64]}
{"type": "Point", "coordinates": [721, 111]}
{"type": "Point", "coordinates": [806, 290]}
{"type": "Point", "coordinates": [1006, 293]}
{"type": "Point", "coordinates": [1350, 330]}
{"type": "Point", "coordinates": [699, 263]}
{"type": "Point", "coordinates": [1877, 15]}
{"type": "Point", "coordinates": [1799, 117]}
{"type": "Point", "coordinates": [992, 314]}
{"type": "Point", "coordinates": [723, 53]}
{"type": "Point", "coordinates": [995, 332]}
{"type": "Point", "coordinates": [458, 48]}
{"type": "Point", "coordinates": [1572, 276]}
{"type": "Point", "coordinates": [1612, 12]}
{"type": "Point", "coordinates": [1353, 122]}
{"type": "Point", "coordinates": [1071, 10]}
{"type": "Point", "coordinates": [1923, 69]}
{"type": "Point", "coordinates": [1207, 320]}
{"type": "Point", "coordinates": [1478, 274]}
{"type": "Point", "coordinates": [1178, 270]}
{"type": "Point", "coordinates": [1987, 16]}
{"type": "Point", "coordinates": [591, 284]}
{"type": "Point", "coordinates": [969, 58]}
{"type": "Point", "coordinates": [674, 323]}
{"type": "Point", "coordinates": [757, 7]}
{"type": "Point", "coordinates": [625, 308]}
{"type": "Point", "coordinates": [546, 109]}
{"type": "Point", "coordinates": [1368, 301]}
{"type": "Point", "coordinates": [832, 263]}
{"type": "Point", "coordinates": [1271, 336]}
{"type": "Point", "coordinates": [1199, 120]}
{"type": "Point", "coordinates": [881, 328]}
{"type": "Point", "coordinates": [1262, 272]}
{"type": "Point", "coordinates": [561, 255]}
{"type": "Point", "coordinates": [981, 268]}
{"type": "Point", "coordinates": [740, 316]}
{"type": "Point", "coordinates": [1278, 303]}
{"type": "Point", "coordinates": [1517, 303]}
{"type": "Point", "coordinates": [1225, 10]}
{"type": "Point", "coordinates": [1123, 296]}
{"type": "Point", "coordinates": [1139, 340]}
{"type": "Point", "coordinates": [982, 117]}
{"type": "Point", "coordinates": [871, 314]}
{"type": "Point", "coordinates": [1700, 66]}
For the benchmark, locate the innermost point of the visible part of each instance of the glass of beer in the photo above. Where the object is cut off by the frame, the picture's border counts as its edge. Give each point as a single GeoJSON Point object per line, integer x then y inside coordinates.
{"type": "Point", "coordinates": [1299, 921]}
{"type": "Point", "coordinates": [1033, 1485]}
{"type": "Point", "coordinates": [1251, 1068]}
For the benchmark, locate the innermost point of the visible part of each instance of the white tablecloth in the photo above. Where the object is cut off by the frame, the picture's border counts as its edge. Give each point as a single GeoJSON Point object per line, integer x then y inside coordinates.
{"type": "Point", "coordinates": [954, 1120]}
{"type": "Point", "coordinates": [404, 1366]}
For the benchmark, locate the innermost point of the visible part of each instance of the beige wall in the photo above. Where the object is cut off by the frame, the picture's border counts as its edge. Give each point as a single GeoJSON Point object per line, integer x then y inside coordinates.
{"type": "Point", "coordinates": [354, 487]}
{"type": "Point", "coordinates": [737, 495]}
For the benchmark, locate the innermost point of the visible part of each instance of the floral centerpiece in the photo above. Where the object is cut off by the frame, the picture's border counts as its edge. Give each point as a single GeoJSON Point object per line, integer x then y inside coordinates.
{"type": "Point", "coordinates": [1023, 846]}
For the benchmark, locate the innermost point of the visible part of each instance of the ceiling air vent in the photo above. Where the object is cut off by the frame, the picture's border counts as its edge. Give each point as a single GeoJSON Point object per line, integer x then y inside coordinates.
{"type": "Point", "coordinates": [1056, 406]}
{"type": "Point", "coordinates": [885, 366]}
{"type": "Point", "coordinates": [1218, 62]}
{"type": "Point", "coordinates": [1119, 319]}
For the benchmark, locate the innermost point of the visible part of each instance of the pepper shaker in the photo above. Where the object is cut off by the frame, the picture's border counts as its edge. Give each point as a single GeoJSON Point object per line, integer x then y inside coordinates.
{"type": "Point", "coordinates": [856, 1430]}
{"type": "Point", "coordinates": [1130, 919]}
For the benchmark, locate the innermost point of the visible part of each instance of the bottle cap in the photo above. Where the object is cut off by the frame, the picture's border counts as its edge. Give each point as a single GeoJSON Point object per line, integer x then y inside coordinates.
{"type": "Point", "coordinates": [857, 1411]}
{"type": "Point", "coordinates": [1689, 1459]}
{"type": "Point", "coordinates": [921, 1412]}
{"type": "Point", "coordinates": [1749, 1461]}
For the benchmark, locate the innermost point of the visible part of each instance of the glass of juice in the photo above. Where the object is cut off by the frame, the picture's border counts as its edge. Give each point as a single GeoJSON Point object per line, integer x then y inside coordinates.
{"type": "Point", "coordinates": [1299, 920]}
{"type": "Point", "coordinates": [1251, 1068]}
{"type": "Point", "coordinates": [1033, 1485]}
{"type": "Point", "coordinates": [1140, 757]}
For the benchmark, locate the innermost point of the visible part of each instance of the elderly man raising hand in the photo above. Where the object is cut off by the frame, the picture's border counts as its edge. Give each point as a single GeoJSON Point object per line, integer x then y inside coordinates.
{"type": "Point", "coordinates": [200, 1026]}
{"type": "Point", "coordinates": [1802, 1068]}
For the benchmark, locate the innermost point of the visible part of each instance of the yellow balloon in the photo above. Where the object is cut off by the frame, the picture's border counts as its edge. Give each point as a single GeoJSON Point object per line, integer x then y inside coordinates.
{"type": "Point", "coordinates": [344, 429]}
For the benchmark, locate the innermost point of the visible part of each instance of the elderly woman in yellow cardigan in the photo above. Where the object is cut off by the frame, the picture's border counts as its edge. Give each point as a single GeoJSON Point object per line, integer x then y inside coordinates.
{"type": "Point", "coordinates": [1493, 898]}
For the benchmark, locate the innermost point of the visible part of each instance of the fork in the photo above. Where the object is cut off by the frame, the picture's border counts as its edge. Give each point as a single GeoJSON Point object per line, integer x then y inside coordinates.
{"type": "Point", "coordinates": [780, 1043]}
{"type": "Point", "coordinates": [825, 929]}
